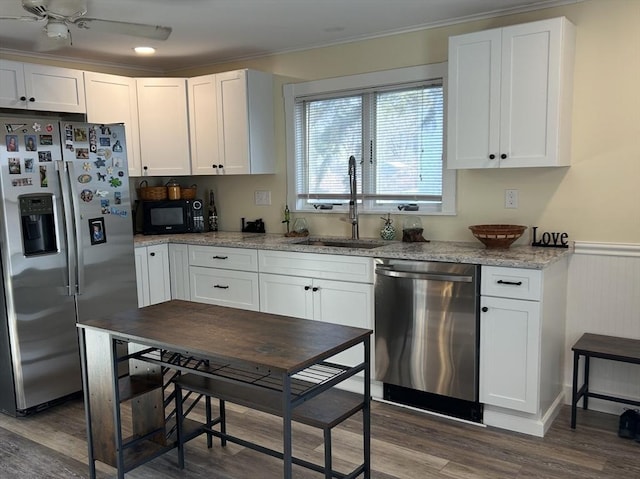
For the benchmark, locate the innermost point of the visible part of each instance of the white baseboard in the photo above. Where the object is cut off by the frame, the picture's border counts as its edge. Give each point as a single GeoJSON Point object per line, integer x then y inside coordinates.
{"type": "Point", "coordinates": [520, 422]}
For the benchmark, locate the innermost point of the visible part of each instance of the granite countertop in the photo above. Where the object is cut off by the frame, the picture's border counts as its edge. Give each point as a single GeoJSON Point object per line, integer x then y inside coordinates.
{"type": "Point", "coordinates": [447, 251]}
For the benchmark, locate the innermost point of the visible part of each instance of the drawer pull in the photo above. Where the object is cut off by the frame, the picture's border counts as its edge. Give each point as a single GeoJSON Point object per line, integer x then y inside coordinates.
{"type": "Point", "coordinates": [220, 257]}
{"type": "Point", "coordinates": [513, 283]}
{"type": "Point", "coordinates": [484, 309]}
{"type": "Point", "coordinates": [220, 287]}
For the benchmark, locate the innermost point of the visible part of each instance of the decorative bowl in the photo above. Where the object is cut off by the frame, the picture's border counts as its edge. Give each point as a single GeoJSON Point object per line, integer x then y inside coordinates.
{"type": "Point", "coordinates": [497, 236]}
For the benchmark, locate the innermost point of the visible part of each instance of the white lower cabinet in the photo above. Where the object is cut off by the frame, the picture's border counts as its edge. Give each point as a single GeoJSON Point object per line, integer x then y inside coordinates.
{"type": "Point", "coordinates": [224, 276]}
{"type": "Point", "coordinates": [179, 271]}
{"type": "Point", "coordinates": [510, 353]}
{"type": "Point", "coordinates": [522, 329]}
{"type": "Point", "coordinates": [301, 285]}
{"type": "Point", "coordinates": [152, 273]}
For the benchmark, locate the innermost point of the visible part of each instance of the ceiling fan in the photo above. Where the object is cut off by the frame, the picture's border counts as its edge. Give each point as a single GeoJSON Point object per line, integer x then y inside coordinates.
{"type": "Point", "coordinates": [58, 15]}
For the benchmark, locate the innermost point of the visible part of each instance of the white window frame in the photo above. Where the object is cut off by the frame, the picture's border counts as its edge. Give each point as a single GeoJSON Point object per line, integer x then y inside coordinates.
{"type": "Point", "coordinates": [358, 82]}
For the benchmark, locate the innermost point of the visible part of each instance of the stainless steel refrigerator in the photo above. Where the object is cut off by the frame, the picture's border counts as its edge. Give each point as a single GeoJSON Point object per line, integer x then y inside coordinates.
{"type": "Point", "coordinates": [66, 247]}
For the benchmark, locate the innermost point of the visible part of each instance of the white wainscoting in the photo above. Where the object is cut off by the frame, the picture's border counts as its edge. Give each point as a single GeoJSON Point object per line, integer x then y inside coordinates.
{"type": "Point", "coordinates": [604, 298]}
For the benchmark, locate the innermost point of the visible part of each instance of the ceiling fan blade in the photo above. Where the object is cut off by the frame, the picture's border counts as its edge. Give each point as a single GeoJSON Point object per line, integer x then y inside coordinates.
{"type": "Point", "coordinates": [155, 32]}
{"type": "Point", "coordinates": [23, 19]}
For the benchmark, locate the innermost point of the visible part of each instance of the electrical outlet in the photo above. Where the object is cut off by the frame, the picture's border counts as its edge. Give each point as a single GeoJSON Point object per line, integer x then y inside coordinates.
{"type": "Point", "coordinates": [511, 199]}
{"type": "Point", "coordinates": [263, 198]}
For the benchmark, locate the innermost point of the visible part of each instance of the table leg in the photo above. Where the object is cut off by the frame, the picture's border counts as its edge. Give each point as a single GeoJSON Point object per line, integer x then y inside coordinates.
{"type": "Point", "coordinates": [286, 427]}
{"type": "Point", "coordinates": [574, 392]}
{"type": "Point", "coordinates": [87, 410]}
{"type": "Point", "coordinates": [116, 410]}
{"type": "Point", "coordinates": [585, 398]}
{"type": "Point", "coordinates": [366, 410]}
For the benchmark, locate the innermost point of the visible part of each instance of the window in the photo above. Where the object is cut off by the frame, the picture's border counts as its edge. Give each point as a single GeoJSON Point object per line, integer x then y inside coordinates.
{"type": "Point", "coordinates": [392, 122]}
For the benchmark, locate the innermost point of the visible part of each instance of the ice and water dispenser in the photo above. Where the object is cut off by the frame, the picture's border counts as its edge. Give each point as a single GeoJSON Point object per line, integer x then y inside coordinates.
{"type": "Point", "coordinates": [36, 219]}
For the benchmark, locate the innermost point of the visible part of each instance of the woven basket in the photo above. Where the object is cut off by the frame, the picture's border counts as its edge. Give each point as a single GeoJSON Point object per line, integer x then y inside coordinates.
{"type": "Point", "coordinates": [188, 193]}
{"type": "Point", "coordinates": [497, 236]}
{"type": "Point", "coordinates": [151, 193]}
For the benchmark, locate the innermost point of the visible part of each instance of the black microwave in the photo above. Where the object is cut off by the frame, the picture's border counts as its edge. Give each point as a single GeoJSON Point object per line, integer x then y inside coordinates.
{"type": "Point", "coordinates": [172, 216]}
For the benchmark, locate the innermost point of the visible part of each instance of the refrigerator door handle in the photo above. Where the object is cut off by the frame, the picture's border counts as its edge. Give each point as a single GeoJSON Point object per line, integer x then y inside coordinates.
{"type": "Point", "coordinates": [63, 179]}
{"type": "Point", "coordinates": [71, 174]}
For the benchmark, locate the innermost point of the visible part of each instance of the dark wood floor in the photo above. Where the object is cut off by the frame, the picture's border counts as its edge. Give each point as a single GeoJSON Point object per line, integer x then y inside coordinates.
{"type": "Point", "coordinates": [405, 445]}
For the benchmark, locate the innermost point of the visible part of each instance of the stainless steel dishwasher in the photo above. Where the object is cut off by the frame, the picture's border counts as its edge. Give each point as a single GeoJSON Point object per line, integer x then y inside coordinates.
{"type": "Point", "coordinates": [427, 335]}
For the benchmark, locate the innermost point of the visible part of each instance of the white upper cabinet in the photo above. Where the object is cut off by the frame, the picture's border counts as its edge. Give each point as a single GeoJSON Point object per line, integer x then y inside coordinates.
{"type": "Point", "coordinates": [203, 125]}
{"type": "Point", "coordinates": [164, 126]}
{"type": "Point", "coordinates": [113, 99]}
{"type": "Point", "coordinates": [40, 87]}
{"type": "Point", "coordinates": [238, 105]}
{"type": "Point", "coordinates": [510, 96]}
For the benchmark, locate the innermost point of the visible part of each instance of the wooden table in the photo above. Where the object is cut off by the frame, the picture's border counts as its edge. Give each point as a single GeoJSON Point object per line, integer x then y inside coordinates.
{"type": "Point", "coordinates": [604, 347]}
{"type": "Point", "coordinates": [123, 358]}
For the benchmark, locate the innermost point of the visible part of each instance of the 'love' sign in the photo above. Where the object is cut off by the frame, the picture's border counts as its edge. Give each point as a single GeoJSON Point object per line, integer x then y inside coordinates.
{"type": "Point", "coordinates": [553, 240]}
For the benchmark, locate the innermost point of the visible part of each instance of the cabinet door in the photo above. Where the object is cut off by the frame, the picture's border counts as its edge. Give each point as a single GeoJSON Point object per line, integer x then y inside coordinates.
{"type": "Point", "coordinates": [510, 353]}
{"type": "Point", "coordinates": [142, 276]}
{"type": "Point", "coordinates": [163, 122]}
{"type": "Point", "coordinates": [509, 96]}
{"type": "Point", "coordinates": [349, 304]}
{"type": "Point", "coordinates": [236, 289]}
{"type": "Point", "coordinates": [54, 89]}
{"type": "Point", "coordinates": [530, 93]}
{"type": "Point", "coordinates": [159, 283]}
{"type": "Point", "coordinates": [233, 122]}
{"type": "Point", "coordinates": [40, 87]}
{"type": "Point", "coordinates": [113, 99]}
{"type": "Point", "coordinates": [179, 271]}
{"type": "Point", "coordinates": [203, 125]}
{"type": "Point", "coordinates": [286, 295]}
{"type": "Point", "coordinates": [473, 101]}
{"type": "Point", "coordinates": [12, 90]}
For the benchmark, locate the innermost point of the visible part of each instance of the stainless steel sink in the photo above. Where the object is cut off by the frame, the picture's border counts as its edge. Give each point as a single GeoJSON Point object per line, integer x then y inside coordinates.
{"type": "Point", "coordinates": [341, 243]}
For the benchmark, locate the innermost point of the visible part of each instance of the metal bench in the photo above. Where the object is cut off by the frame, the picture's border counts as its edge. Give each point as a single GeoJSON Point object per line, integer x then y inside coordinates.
{"type": "Point", "coordinates": [324, 411]}
{"type": "Point", "coordinates": [603, 347]}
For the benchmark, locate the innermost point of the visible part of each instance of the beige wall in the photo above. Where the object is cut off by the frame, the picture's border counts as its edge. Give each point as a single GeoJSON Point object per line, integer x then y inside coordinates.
{"type": "Point", "coordinates": [596, 199]}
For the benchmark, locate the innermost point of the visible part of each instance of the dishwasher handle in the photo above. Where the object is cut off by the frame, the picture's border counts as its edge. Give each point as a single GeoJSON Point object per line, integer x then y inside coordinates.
{"type": "Point", "coordinates": [431, 276]}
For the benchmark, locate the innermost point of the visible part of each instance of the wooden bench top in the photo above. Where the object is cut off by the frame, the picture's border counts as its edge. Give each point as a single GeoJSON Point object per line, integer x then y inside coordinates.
{"type": "Point", "coordinates": [609, 347]}
{"type": "Point", "coordinates": [323, 411]}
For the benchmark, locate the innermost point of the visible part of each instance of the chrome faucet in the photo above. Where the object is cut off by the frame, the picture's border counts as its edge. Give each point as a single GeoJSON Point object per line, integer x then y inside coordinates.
{"type": "Point", "coordinates": [353, 203]}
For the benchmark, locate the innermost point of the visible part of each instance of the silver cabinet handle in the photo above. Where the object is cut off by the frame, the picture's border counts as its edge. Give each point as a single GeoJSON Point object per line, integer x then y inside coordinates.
{"type": "Point", "coordinates": [425, 276]}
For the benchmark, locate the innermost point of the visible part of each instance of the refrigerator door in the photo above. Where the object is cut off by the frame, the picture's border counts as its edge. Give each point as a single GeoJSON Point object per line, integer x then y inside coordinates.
{"type": "Point", "coordinates": [96, 167]}
{"type": "Point", "coordinates": [39, 311]}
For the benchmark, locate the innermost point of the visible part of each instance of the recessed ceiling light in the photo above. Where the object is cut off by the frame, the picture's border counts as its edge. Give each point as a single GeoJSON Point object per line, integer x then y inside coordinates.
{"type": "Point", "coordinates": [145, 50]}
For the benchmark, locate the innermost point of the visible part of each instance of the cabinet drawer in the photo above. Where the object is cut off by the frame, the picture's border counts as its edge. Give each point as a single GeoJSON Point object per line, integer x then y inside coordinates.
{"type": "Point", "coordinates": [236, 289]}
{"type": "Point", "coordinates": [513, 283]}
{"type": "Point", "coordinates": [221, 257]}
{"type": "Point", "coordinates": [323, 266]}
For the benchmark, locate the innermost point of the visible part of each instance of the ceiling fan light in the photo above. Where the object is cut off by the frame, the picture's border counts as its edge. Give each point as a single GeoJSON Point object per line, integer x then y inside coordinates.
{"type": "Point", "coordinates": [144, 50]}
{"type": "Point", "coordinates": [57, 30]}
